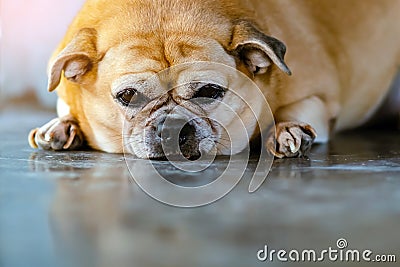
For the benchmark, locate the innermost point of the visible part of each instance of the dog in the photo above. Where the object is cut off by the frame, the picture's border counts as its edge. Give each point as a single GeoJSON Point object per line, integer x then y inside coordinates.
{"type": "Point", "coordinates": [341, 58]}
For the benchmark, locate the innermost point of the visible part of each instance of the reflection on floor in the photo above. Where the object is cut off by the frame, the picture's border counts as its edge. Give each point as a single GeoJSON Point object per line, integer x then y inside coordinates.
{"type": "Point", "coordinates": [81, 208]}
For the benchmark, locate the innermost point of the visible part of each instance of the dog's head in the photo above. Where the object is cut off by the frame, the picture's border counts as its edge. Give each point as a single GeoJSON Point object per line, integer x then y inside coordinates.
{"type": "Point", "coordinates": [145, 75]}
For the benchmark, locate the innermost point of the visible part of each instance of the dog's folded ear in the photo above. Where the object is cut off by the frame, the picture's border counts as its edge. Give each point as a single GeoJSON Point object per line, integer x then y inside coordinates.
{"type": "Point", "coordinates": [256, 49]}
{"type": "Point", "coordinates": [75, 60]}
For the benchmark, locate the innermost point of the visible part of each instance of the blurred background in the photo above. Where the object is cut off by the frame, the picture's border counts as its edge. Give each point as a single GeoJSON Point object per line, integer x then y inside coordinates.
{"type": "Point", "coordinates": [30, 31]}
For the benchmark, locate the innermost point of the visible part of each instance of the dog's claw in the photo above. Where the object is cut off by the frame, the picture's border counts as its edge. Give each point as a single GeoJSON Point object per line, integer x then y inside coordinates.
{"type": "Point", "coordinates": [58, 134]}
{"type": "Point", "coordinates": [72, 134]}
{"type": "Point", "coordinates": [31, 138]}
{"type": "Point", "coordinates": [292, 146]}
{"type": "Point", "coordinates": [292, 139]}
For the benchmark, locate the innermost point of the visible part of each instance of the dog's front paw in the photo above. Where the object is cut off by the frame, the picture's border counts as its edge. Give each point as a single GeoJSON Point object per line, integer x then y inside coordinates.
{"type": "Point", "coordinates": [58, 134]}
{"type": "Point", "coordinates": [292, 139]}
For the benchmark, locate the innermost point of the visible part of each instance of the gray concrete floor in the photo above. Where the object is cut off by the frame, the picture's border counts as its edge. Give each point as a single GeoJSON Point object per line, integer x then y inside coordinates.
{"type": "Point", "coordinates": [79, 208]}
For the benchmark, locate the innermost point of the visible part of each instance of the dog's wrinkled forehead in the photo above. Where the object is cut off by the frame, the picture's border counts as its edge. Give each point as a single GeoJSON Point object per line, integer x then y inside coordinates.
{"type": "Point", "coordinates": [141, 56]}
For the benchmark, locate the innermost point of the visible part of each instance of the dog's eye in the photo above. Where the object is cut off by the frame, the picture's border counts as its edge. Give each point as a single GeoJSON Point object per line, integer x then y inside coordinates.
{"type": "Point", "coordinates": [210, 91]}
{"type": "Point", "coordinates": [126, 96]}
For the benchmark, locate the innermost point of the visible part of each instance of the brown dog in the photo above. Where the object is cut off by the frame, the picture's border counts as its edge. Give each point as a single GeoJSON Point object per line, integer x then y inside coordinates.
{"type": "Point", "coordinates": [343, 56]}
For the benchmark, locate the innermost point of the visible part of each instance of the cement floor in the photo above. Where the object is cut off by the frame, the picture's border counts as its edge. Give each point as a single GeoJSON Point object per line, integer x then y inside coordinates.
{"type": "Point", "coordinates": [79, 208]}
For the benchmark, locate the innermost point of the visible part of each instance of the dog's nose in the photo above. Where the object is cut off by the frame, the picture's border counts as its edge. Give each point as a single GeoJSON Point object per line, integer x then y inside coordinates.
{"type": "Point", "coordinates": [175, 128]}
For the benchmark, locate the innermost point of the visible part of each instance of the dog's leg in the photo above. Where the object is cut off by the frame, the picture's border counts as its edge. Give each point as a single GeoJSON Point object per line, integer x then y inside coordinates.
{"type": "Point", "coordinates": [58, 134]}
{"type": "Point", "coordinates": [297, 128]}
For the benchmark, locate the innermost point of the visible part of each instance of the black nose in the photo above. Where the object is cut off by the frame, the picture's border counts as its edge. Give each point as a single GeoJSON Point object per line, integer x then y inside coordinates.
{"type": "Point", "coordinates": [173, 128]}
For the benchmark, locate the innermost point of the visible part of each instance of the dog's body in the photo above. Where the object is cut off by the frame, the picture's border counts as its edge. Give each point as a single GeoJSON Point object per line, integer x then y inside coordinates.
{"type": "Point", "coordinates": [343, 56]}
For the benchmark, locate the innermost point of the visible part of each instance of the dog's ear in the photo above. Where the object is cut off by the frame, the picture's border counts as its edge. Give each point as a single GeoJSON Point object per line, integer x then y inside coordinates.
{"type": "Point", "coordinates": [76, 59]}
{"type": "Point", "coordinates": [256, 49]}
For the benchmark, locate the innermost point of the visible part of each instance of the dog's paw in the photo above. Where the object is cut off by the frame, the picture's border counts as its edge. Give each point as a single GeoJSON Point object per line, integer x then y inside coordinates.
{"type": "Point", "coordinates": [58, 134]}
{"type": "Point", "coordinates": [292, 139]}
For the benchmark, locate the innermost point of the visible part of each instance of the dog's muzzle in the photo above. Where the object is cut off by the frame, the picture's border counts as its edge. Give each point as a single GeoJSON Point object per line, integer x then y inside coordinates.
{"type": "Point", "coordinates": [177, 136]}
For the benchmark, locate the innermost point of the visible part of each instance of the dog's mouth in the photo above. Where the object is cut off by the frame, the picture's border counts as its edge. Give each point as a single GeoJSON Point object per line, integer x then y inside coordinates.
{"type": "Point", "coordinates": [177, 138]}
{"type": "Point", "coordinates": [173, 139]}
